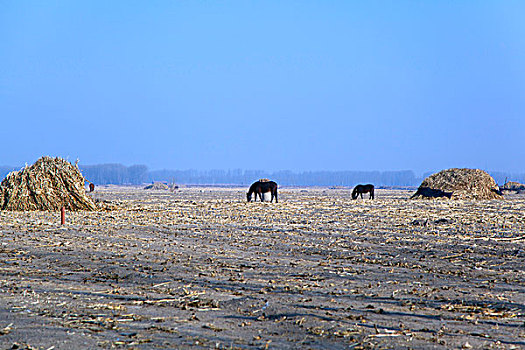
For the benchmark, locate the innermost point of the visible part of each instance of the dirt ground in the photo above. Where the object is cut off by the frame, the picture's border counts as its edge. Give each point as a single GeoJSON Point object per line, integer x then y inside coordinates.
{"type": "Point", "coordinates": [200, 268]}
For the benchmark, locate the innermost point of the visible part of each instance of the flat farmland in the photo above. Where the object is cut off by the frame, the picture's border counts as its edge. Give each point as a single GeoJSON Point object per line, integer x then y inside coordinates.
{"type": "Point", "coordinates": [201, 268]}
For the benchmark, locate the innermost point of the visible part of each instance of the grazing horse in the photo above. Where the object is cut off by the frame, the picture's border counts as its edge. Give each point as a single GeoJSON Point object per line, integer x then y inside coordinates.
{"type": "Point", "coordinates": [261, 187]}
{"type": "Point", "coordinates": [360, 189]}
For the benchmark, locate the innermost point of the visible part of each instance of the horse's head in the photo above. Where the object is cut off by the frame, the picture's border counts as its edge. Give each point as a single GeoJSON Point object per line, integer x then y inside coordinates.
{"type": "Point", "coordinates": [249, 196]}
{"type": "Point", "coordinates": [354, 194]}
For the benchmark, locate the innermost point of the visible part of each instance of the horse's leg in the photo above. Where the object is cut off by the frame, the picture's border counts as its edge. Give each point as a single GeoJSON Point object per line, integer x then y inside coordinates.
{"type": "Point", "coordinates": [274, 195]}
{"type": "Point", "coordinates": [372, 194]}
{"type": "Point", "coordinates": [261, 196]}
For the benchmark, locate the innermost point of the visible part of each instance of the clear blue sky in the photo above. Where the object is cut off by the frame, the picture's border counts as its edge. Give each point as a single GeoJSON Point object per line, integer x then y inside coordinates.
{"type": "Point", "coordinates": [273, 85]}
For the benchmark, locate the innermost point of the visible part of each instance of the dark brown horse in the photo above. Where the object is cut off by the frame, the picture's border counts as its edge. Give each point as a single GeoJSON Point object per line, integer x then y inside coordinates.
{"type": "Point", "coordinates": [261, 187]}
{"type": "Point", "coordinates": [360, 189]}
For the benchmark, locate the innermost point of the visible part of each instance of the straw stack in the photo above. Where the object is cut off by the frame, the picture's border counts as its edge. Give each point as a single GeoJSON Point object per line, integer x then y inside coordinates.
{"type": "Point", "coordinates": [49, 184]}
{"type": "Point", "coordinates": [513, 186]}
{"type": "Point", "coordinates": [459, 184]}
{"type": "Point", "coordinates": [157, 186]}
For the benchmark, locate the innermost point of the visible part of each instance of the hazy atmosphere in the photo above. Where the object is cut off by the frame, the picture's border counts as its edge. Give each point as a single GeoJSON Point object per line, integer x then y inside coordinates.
{"type": "Point", "coordinates": [279, 175]}
{"type": "Point", "coordinates": [299, 86]}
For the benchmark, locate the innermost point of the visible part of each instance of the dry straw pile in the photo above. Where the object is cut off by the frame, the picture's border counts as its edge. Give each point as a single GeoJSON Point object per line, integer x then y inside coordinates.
{"type": "Point", "coordinates": [459, 184]}
{"type": "Point", "coordinates": [513, 186]}
{"type": "Point", "coordinates": [157, 186]}
{"type": "Point", "coordinates": [49, 184]}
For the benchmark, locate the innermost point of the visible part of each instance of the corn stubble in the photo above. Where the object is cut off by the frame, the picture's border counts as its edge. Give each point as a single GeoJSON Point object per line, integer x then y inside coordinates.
{"type": "Point", "coordinates": [201, 268]}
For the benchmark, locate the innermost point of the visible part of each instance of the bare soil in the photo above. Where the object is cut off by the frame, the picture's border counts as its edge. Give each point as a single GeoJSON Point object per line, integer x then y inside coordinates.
{"type": "Point", "coordinates": [200, 268]}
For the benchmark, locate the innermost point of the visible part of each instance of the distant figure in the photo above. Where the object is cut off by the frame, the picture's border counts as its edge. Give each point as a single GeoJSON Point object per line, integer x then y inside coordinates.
{"type": "Point", "coordinates": [261, 187]}
{"type": "Point", "coordinates": [360, 189]}
{"type": "Point", "coordinates": [91, 187]}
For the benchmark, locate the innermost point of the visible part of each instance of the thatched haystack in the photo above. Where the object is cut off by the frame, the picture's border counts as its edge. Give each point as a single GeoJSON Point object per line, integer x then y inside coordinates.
{"type": "Point", "coordinates": [459, 184]}
{"type": "Point", "coordinates": [49, 184]}
{"type": "Point", "coordinates": [513, 186]}
{"type": "Point", "coordinates": [157, 186]}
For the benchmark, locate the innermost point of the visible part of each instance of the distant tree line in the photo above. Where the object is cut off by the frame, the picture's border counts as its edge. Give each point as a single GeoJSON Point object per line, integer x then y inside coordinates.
{"type": "Point", "coordinates": [287, 178]}
{"type": "Point", "coordinates": [104, 174]}
{"type": "Point", "coordinates": [118, 174]}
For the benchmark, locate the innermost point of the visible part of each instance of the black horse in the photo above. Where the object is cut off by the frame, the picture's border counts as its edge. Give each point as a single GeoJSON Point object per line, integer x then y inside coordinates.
{"type": "Point", "coordinates": [261, 187]}
{"type": "Point", "coordinates": [360, 189]}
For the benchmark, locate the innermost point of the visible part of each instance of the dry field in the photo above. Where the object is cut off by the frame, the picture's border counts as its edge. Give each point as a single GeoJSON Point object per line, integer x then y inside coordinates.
{"type": "Point", "coordinates": [201, 268]}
